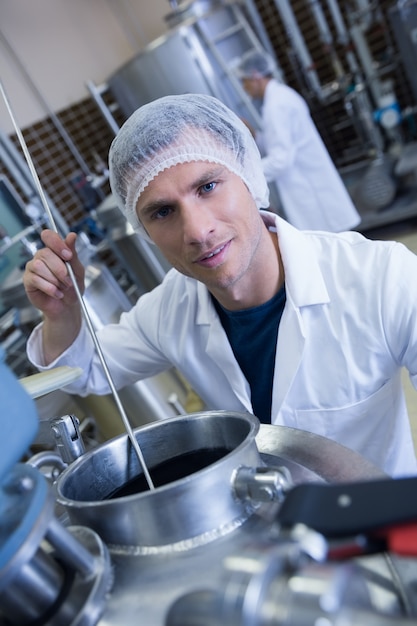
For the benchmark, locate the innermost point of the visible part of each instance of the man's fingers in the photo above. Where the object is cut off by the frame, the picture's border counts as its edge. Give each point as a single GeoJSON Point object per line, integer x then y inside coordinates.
{"type": "Point", "coordinates": [61, 247]}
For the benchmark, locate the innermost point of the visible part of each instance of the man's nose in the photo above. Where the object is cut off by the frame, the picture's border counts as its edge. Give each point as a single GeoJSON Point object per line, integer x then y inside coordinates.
{"type": "Point", "coordinates": [197, 223]}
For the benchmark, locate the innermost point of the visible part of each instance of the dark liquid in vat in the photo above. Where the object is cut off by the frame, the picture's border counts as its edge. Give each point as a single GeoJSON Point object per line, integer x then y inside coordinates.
{"type": "Point", "coordinates": [170, 470]}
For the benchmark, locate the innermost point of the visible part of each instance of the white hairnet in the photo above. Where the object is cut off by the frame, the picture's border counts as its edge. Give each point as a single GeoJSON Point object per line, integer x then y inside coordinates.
{"type": "Point", "coordinates": [181, 129]}
{"type": "Point", "coordinates": [256, 64]}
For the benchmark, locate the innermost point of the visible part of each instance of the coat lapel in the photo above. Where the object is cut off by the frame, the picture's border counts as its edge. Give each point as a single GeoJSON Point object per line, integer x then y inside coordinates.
{"type": "Point", "coordinates": [305, 287]}
{"type": "Point", "coordinates": [219, 350]}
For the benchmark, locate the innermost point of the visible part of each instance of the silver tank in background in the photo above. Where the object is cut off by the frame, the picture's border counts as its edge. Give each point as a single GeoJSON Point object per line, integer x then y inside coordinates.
{"type": "Point", "coordinates": [197, 55]}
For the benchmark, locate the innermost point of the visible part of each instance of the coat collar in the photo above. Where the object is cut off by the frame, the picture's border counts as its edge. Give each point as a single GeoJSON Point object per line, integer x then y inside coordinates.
{"type": "Point", "coordinates": [304, 281]}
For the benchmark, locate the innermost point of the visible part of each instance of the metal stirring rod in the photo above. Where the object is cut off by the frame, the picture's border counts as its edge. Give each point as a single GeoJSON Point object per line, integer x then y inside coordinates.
{"type": "Point", "coordinates": [87, 318]}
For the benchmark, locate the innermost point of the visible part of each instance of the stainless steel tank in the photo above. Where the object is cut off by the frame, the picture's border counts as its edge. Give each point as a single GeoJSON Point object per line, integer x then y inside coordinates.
{"type": "Point", "coordinates": [203, 544]}
{"type": "Point", "coordinates": [197, 55]}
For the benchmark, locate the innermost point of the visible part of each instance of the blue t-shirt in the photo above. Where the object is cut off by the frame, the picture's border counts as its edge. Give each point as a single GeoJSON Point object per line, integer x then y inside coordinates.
{"type": "Point", "coordinates": [252, 334]}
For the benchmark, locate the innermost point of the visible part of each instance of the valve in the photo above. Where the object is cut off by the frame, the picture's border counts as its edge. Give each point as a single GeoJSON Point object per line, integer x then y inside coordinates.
{"type": "Point", "coordinates": [262, 484]}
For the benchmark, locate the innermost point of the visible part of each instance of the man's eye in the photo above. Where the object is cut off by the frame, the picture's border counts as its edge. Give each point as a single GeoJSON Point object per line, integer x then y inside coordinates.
{"type": "Point", "coordinates": [208, 187]}
{"type": "Point", "coordinates": [161, 213]}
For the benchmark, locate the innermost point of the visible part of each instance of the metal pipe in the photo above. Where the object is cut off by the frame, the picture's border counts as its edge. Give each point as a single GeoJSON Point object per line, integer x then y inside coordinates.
{"type": "Point", "coordinates": [297, 39]}
{"type": "Point", "coordinates": [324, 30]}
{"type": "Point", "coordinates": [104, 109]}
{"type": "Point", "coordinates": [326, 36]}
{"type": "Point", "coordinates": [343, 36]}
{"type": "Point", "coordinates": [261, 31]}
{"type": "Point", "coordinates": [12, 167]}
{"type": "Point", "coordinates": [18, 169]}
{"type": "Point", "coordinates": [55, 120]}
{"type": "Point", "coordinates": [339, 24]}
{"type": "Point", "coordinates": [34, 589]}
{"type": "Point", "coordinates": [116, 397]}
{"type": "Point", "coordinates": [70, 550]}
{"type": "Point", "coordinates": [365, 56]}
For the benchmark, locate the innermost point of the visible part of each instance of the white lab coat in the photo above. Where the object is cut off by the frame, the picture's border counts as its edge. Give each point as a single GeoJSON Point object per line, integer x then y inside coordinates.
{"type": "Point", "coordinates": [349, 325]}
{"type": "Point", "coordinates": [312, 192]}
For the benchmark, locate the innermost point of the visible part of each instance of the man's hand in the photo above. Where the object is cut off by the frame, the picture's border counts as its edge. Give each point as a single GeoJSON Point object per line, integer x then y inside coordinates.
{"type": "Point", "coordinates": [50, 289]}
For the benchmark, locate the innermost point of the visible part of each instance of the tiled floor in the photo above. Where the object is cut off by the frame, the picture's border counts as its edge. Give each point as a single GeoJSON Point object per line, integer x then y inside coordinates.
{"type": "Point", "coordinates": [406, 232]}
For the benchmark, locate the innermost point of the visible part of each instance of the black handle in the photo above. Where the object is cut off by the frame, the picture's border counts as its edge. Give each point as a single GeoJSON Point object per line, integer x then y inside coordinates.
{"type": "Point", "coordinates": [344, 510]}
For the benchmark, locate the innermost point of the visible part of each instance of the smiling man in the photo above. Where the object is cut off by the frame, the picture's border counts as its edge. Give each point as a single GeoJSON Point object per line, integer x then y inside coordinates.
{"type": "Point", "coordinates": [210, 229]}
{"type": "Point", "coordinates": [305, 329]}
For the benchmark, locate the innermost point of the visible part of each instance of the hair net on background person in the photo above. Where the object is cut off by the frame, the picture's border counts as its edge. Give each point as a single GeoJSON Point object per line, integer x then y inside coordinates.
{"type": "Point", "coordinates": [256, 64]}
{"type": "Point", "coordinates": [181, 129]}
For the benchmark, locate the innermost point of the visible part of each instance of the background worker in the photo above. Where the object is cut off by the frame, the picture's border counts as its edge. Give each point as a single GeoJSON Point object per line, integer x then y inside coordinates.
{"type": "Point", "coordinates": [304, 329]}
{"type": "Point", "coordinates": [295, 158]}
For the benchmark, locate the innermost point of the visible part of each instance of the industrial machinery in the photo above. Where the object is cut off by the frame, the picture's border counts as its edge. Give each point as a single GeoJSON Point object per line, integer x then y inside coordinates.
{"type": "Point", "coordinates": [246, 524]}
{"type": "Point", "coordinates": [321, 48]}
{"type": "Point", "coordinates": [48, 574]}
{"type": "Point", "coordinates": [205, 39]}
{"type": "Point", "coordinates": [197, 55]}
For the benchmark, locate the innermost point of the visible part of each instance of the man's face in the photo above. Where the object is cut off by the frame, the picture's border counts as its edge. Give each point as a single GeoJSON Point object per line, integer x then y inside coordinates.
{"type": "Point", "coordinates": [253, 87]}
{"type": "Point", "coordinates": [206, 223]}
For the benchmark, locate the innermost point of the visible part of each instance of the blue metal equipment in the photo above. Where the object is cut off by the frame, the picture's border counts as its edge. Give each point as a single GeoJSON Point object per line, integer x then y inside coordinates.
{"type": "Point", "coordinates": [49, 574]}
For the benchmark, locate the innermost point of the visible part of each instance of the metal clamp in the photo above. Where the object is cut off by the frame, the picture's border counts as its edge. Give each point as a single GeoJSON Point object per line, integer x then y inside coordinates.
{"type": "Point", "coordinates": [68, 438]}
{"type": "Point", "coordinates": [262, 484]}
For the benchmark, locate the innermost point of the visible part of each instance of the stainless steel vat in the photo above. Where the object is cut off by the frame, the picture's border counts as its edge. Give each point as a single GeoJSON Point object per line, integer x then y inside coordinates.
{"type": "Point", "coordinates": [172, 547]}
{"type": "Point", "coordinates": [180, 454]}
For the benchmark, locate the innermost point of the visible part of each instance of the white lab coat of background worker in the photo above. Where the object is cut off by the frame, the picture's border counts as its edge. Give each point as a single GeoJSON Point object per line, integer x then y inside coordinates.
{"type": "Point", "coordinates": [295, 158]}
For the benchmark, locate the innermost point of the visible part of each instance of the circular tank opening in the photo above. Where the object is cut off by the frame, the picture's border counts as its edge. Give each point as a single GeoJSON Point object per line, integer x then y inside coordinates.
{"type": "Point", "coordinates": [173, 449]}
{"type": "Point", "coordinates": [171, 470]}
